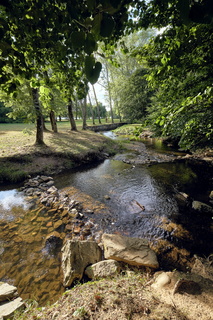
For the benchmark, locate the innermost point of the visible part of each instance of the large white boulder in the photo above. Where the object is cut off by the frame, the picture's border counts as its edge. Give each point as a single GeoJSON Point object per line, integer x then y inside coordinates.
{"type": "Point", "coordinates": [202, 207]}
{"type": "Point", "coordinates": [76, 256]}
{"type": "Point", "coordinates": [133, 251]}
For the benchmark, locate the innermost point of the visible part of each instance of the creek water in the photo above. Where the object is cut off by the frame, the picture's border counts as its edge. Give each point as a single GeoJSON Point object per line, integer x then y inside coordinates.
{"type": "Point", "coordinates": [126, 198]}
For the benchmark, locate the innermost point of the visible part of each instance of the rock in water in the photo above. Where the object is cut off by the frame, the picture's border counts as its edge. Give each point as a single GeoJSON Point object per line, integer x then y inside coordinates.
{"type": "Point", "coordinates": [76, 256]}
{"type": "Point", "coordinates": [134, 251]}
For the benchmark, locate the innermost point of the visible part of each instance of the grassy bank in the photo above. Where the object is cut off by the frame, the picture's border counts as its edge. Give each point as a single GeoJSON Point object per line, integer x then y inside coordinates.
{"type": "Point", "coordinates": [127, 296]}
{"type": "Point", "coordinates": [19, 157]}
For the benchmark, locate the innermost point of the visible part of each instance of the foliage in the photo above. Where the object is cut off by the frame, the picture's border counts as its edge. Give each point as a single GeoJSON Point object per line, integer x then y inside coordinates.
{"type": "Point", "coordinates": [123, 78]}
{"type": "Point", "coordinates": [170, 12]}
{"type": "Point", "coordinates": [3, 113]}
{"type": "Point", "coordinates": [180, 62]}
{"type": "Point", "coordinates": [102, 108]}
{"type": "Point", "coordinates": [62, 37]}
{"type": "Point", "coordinates": [135, 96]}
{"type": "Point", "coordinates": [20, 104]}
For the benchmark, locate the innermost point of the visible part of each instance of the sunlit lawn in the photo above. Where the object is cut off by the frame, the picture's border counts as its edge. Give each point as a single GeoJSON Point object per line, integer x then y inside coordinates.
{"type": "Point", "coordinates": [62, 125]}
{"type": "Point", "coordinates": [19, 138]}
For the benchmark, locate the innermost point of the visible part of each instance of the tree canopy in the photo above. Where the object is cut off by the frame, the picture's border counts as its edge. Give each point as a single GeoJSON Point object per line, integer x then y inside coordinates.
{"type": "Point", "coordinates": [61, 38]}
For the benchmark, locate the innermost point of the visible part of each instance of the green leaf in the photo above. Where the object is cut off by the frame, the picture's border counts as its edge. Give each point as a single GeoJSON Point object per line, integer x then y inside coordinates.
{"type": "Point", "coordinates": [107, 25]}
{"type": "Point", "coordinates": [44, 90]}
{"type": "Point", "coordinates": [78, 39]}
{"type": "Point", "coordinates": [178, 43]}
{"type": "Point", "coordinates": [90, 44]}
{"type": "Point", "coordinates": [96, 24]}
{"type": "Point", "coordinates": [92, 69]}
{"type": "Point", "coordinates": [34, 83]}
{"type": "Point", "coordinates": [164, 60]}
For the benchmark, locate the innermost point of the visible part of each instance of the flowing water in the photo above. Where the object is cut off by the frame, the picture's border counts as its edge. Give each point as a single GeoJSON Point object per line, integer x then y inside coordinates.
{"type": "Point", "coordinates": [129, 199]}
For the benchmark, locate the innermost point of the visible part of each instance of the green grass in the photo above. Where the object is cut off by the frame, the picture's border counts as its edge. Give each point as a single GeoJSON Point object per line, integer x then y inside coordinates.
{"type": "Point", "coordinates": [62, 125]}
{"type": "Point", "coordinates": [19, 156]}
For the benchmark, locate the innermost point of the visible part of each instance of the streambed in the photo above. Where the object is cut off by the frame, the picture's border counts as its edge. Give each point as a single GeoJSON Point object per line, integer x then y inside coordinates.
{"type": "Point", "coordinates": [127, 195]}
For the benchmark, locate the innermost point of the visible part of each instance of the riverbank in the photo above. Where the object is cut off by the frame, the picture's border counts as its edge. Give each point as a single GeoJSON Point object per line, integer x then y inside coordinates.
{"type": "Point", "coordinates": [19, 157]}
{"type": "Point", "coordinates": [134, 133]}
{"type": "Point", "coordinates": [134, 294]}
{"type": "Point", "coordinates": [127, 296]}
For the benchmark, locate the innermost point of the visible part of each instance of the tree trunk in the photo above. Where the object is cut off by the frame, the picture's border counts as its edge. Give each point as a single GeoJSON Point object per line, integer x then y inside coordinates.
{"type": "Point", "coordinates": [92, 113]}
{"type": "Point", "coordinates": [84, 113]}
{"type": "Point", "coordinates": [52, 113]}
{"type": "Point", "coordinates": [44, 126]}
{"type": "Point", "coordinates": [39, 118]}
{"type": "Point", "coordinates": [109, 92]}
{"type": "Point", "coordinates": [118, 110]}
{"type": "Point", "coordinates": [76, 110]}
{"type": "Point", "coordinates": [96, 100]}
{"type": "Point", "coordinates": [53, 121]}
{"type": "Point", "coordinates": [71, 117]}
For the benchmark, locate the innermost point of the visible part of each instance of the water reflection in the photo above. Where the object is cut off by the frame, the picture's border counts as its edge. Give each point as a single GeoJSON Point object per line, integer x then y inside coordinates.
{"type": "Point", "coordinates": [11, 198]}
{"type": "Point", "coordinates": [10, 203]}
{"type": "Point", "coordinates": [126, 186]}
{"type": "Point", "coordinates": [140, 201]}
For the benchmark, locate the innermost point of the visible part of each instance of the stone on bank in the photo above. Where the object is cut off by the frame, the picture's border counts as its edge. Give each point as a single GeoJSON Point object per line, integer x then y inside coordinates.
{"type": "Point", "coordinates": [134, 251]}
{"type": "Point", "coordinates": [103, 269]}
{"type": "Point", "coordinates": [9, 300]}
{"type": "Point", "coordinates": [76, 256]}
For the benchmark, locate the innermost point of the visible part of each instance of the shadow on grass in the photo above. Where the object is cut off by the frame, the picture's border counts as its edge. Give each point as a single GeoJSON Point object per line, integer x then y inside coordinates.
{"type": "Point", "coordinates": [74, 142]}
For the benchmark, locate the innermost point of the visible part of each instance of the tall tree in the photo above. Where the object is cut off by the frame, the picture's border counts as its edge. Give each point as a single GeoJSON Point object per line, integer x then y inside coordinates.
{"type": "Point", "coordinates": [91, 109]}
{"type": "Point", "coordinates": [97, 105]}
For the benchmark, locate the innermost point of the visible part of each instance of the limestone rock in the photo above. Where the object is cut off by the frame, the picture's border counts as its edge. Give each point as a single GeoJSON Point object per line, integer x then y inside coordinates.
{"type": "Point", "coordinates": [162, 280]}
{"type": "Point", "coordinates": [45, 178]}
{"type": "Point", "coordinates": [7, 309]}
{"type": "Point", "coordinates": [76, 256]}
{"type": "Point", "coordinates": [133, 251]}
{"type": "Point", "coordinates": [7, 291]}
{"type": "Point", "coordinates": [103, 269]}
{"type": "Point", "coordinates": [211, 195]}
{"type": "Point", "coordinates": [202, 207]}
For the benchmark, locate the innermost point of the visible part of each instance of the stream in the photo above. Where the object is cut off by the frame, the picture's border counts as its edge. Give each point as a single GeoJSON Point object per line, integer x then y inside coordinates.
{"type": "Point", "coordinates": [126, 195]}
